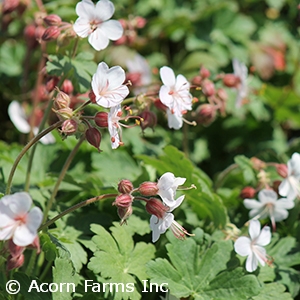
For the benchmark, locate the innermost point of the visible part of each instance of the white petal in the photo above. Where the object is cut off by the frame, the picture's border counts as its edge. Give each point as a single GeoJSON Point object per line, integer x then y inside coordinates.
{"type": "Point", "coordinates": [260, 254]}
{"type": "Point", "coordinates": [112, 29]}
{"type": "Point", "coordinates": [174, 121]}
{"type": "Point", "coordinates": [242, 246]}
{"type": "Point", "coordinates": [85, 9]}
{"type": "Point", "coordinates": [34, 219]}
{"type": "Point", "coordinates": [179, 181]}
{"type": "Point", "coordinates": [254, 229]}
{"type": "Point", "coordinates": [98, 40]}
{"type": "Point", "coordinates": [17, 116]}
{"type": "Point", "coordinates": [267, 196]}
{"type": "Point", "coordinates": [284, 188]}
{"type": "Point", "coordinates": [252, 204]}
{"type": "Point", "coordinates": [116, 77]}
{"type": "Point", "coordinates": [284, 203]}
{"type": "Point", "coordinates": [7, 232]}
{"type": "Point", "coordinates": [23, 236]}
{"type": "Point", "coordinates": [154, 227]}
{"type": "Point", "coordinates": [181, 83]}
{"type": "Point", "coordinates": [251, 263]}
{"type": "Point", "coordinates": [264, 238]}
{"type": "Point", "coordinates": [165, 97]}
{"type": "Point", "coordinates": [280, 214]}
{"type": "Point", "coordinates": [167, 76]}
{"type": "Point", "coordinates": [294, 165]}
{"type": "Point", "coordinates": [48, 139]}
{"type": "Point", "coordinates": [20, 203]}
{"type": "Point", "coordinates": [82, 27]}
{"type": "Point", "coordinates": [174, 204]}
{"type": "Point", "coordinates": [104, 10]}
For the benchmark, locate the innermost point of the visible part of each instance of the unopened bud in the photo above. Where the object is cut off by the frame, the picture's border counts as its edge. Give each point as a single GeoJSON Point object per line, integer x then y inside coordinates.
{"type": "Point", "coordinates": [140, 22]}
{"type": "Point", "coordinates": [197, 80]}
{"type": "Point", "coordinates": [69, 127]}
{"type": "Point", "coordinates": [14, 262]}
{"type": "Point", "coordinates": [29, 35]}
{"type": "Point", "coordinates": [51, 84]}
{"type": "Point", "coordinates": [208, 88]}
{"type": "Point", "coordinates": [51, 33]}
{"type": "Point", "coordinates": [92, 97]}
{"type": "Point", "coordinates": [62, 100]}
{"type": "Point", "coordinates": [123, 200]}
{"type": "Point", "coordinates": [64, 113]}
{"type": "Point", "coordinates": [206, 114]}
{"type": "Point", "coordinates": [9, 6]}
{"type": "Point", "coordinates": [257, 163]}
{"type": "Point", "coordinates": [222, 94]}
{"type": "Point", "coordinates": [93, 136]}
{"type": "Point", "coordinates": [282, 170]}
{"type": "Point", "coordinates": [15, 250]}
{"type": "Point", "coordinates": [155, 207]}
{"type": "Point", "coordinates": [231, 80]}
{"type": "Point", "coordinates": [248, 192]}
{"type": "Point", "coordinates": [125, 186]}
{"type": "Point", "coordinates": [124, 213]}
{"type": "Point", "coordinates": [39, 31]}
{"type": "Point", "coordinates": [67, 86]}
{"type": "Point", "coordinates": [101, 119]}
{"type": "Point", "coordinates": [35, 244]}
{"type": "Point", "coordinates": [204, 73]}
{"type": "Point", "coordinates": [52, 20]}
{"type": "Point", "coordinates": [149, 119]}
{"type": "Point", "coordinates": [160, 105]}
{"type": "Point", "coordinates": [148, 188]}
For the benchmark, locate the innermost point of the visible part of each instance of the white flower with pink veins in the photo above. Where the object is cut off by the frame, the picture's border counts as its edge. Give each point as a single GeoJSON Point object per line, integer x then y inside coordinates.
{"type": "Point", "coordinates": [18, 221]}
{"type": "Point", "coordinates": [175, 94]}
{"type": "Point", "coordinates": [94, 23]}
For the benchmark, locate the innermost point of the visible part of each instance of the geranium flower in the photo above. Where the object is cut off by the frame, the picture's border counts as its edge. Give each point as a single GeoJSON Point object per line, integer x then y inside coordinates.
{"type": "Point", "coordinates": [167, 185]}
{"type": "Point", "coordinates": [269, 205]}
{"type": "Point", "coordinates": [107, 85]}
{"type": "Point", "coordinates": [253, 246]}
{"type": "Point", "coordinates": [18, 117]}
{"type": "Point", "coordinates": [17, 221]}
{"type": "Point", "coordinates": [164, 219]}
{"type": "Point", "coordinates": [94, 22]}
{"type": "Point", "coordinates": [114, 127]}
{"type": "Point", "coordinates": [174, 93]}
{"type": "Point", "coordinates": [290, 186]}
{"type": "Point", "coordinates": [241, 71]}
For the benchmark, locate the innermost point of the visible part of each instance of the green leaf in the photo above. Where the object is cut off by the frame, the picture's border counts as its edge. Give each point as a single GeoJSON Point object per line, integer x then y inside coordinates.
{"type": "Point", "coordinates": [204, 278]}
{"type": "Point", "coordinates": [273, 291]}
{"type": "Point", "coordinates": [48, 247]}
{"type": "Point", "coordinates": [118, 260]}
{"type": "Point", "coordinates": [246, 165]}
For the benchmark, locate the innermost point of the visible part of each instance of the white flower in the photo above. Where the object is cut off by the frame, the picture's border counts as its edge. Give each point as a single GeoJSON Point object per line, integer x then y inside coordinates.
{"type": "Point", "coordinates": [139, 67]}
{"type": "Point", "coordinates": [114, 127]}
{"type": "Point", "coordinates": [160, 225]}
{"type": "Point", "coordinates": [290, 186]}
{"type": "Point", "coordinates": [253, 246]}
{"type": "Point", "coordinates": [268, 205]}
{"type": "Point", "coordinates": [17, 221]}
{"type": "Point", "coordinates": [174, 93]}
{"type": "Point", "coordinates": [107, 85]}
{"type": "Point", "coordinates": [167, 186]}
{"type": "Point", "coordinates": [94, 22]}
{"type": "Point", "coordinates": [18, 116]}
{"type": "Point", "coordinates": [241, 71]}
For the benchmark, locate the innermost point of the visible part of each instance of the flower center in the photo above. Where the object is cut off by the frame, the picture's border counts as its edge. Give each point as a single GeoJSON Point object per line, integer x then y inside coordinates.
{"type": "Point", "coordinates": [22, 219]}
{"type": "Point", "coordinates": [94, 25]}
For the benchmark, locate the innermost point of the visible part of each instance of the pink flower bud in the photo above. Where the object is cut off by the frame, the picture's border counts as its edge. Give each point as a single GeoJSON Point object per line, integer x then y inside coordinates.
{"type": "Point", "coordinates": [52, 20]}
{"type": "Point", "coordinates": [124, 213]}
{"type": "Point", "coordinates": [14, 262]}
{"type": "Point", "coordinates": [140, 22]}
{"type": "Point", "coordinates": [29, 35]}
{"type": "Point", "coordinates": [125, 186]}
{"type": "Point", "coordinates": [35, 245]}
{"type": "Point", "coordinates": [51, 84]}
{"type": "Point", "coordinates": [149, 119]}
{"type": "Point", "coordinates": [282, 170]}
{"type": "Point", "coordinates": [51, 33]}
{"type": "Point", "coordinates": [64, 113]}
{"type": "Point", "coordinates": [62, 100]}
{"type": "Point", "coordinates": [69, 127]}
{"type": "Point", "coordinates": [248, 192]}
{"type": "Point", "coordinates": [257, 163]}
{"type": "Point", "coordinates": [101, 119]}
{"type": "Point", "coordinates": [159, 105]}
{"type": "Point", "coordinates": [148, 188]}
{"type": "Point", "coordinates": [39, 31]}
{"type": "Point", "coordinates": [123, 200]}
{"type": "Point", "coordinates": [67, 86]}
{"type": "Point", "coordinates": [15, 250]}
{"type": "Point", "coordinates": [134, 78]}
{"type": "Point", "coordinates": [93, 136]}
{"type": "Point", "coordinates": [156, 207]}
{"type": "Point", "coordinates": [9, 6]}
{"type": "Point", "coordinates": [204, 73]}
{"type": "Point", "coordinates": [222, 94]}
{"type": "Point", "coordinates": [92, 97]}
{"type": "Point", "coordinates": [208, 88]}
{"type": "Point", "coordinates": [197, 80]}
{"type": "Point", "coordinates": [231, 80]}
{"type": "Point", "coordinates": [206, 114]}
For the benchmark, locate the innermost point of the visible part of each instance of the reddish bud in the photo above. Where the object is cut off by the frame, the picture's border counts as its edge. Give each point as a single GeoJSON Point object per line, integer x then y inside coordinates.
{"type": "Point", "coordinates": [160, 105]}
{"type": "Point", "coordinates": [51, 84]}
{"type": "Point", "coordinates": [134, 78]}
{"type": "Point", "coordinates": [92, 97]}
{"type": "Point", "coordinates": [29, 35]}
{"type": "Point", "coordinates": [93, 136]}
{"type": "Point", "coordinates": [69, 127]}
{"type": "Point", "coordinates": [125, 186]}
{"type": "Point", "coordinates": [101, 119]}
{"type": "Point", "coordinates": [197, 80]}
{"type": "Point", "coordinates": [248, 192]}
{"type": "Point", "coordinates": [257, 163]}
{"type": "Point", "coordinates": [282, 170]}
{"type": "Point", "coordinates": [204, 73]}
{"type": "Point", "coordinates": [64, 113]}
{"type": "Point", "coordinates": [156, 207]}
{"type": "Point", "coordinates": [206, 114]}
{"type": "Point", "coordinates": [62, 100]}
{"type": "Point", "coordinates": [231, 80]}
{"type": "Point", "coordinates": [35, 245]}
{"type": "Point", "coordinates": [67, 86]}
{"type": "Point", "coordinates": [140, 22]}
{"type": "Point", "coordinates": [221, 93]}
{"type": "Point", "coordinates": [43, 93]}
{"type": "Point", "coordinates": [148, 188]}
{"type": "Point", "coordinates": [15, 250]}
{"type": "Point", "coordinates": [208, 88]}
{"type": "Point", "coordinates": [123, 200]}
{"type": "Point", "coordinates": [149, 119]}
{"type": "Point", "coordinates": [51, 33]}
{"type": "Point", "coordinates": [124, 213]}
{"type": "Point", "coordinates": [9, 6]}
{"type": "Point", "coordinates": [14, 262]}
{"type": "Point", "coordinates": [52, 20]}
{"type": "Point", "coordinates": [39, 31]}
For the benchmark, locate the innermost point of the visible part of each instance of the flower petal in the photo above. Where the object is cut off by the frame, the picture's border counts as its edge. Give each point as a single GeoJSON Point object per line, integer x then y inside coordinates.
{"type": "Point", "coordinates": [167, 76]}
{"type": "Point", "coordinates": [252, 204]}
{"type": "Point", "coordinates": [260, 254]}
{"type": "Point", "coordinates": [112, 29]}
{"type": "Point", "coordinates": [19, 203]}
{"type": "Point", "coordinates": [284, 188]}
{"type": "Point", "coordinates": [23, 236]}
{"type": "Point", "coordinates": [174, 204]}
{"type": "Point", "coordinates": [254, 229]}
{"type": "Point", "coordinates": [82, 27]}
{"type": "Point", "coordinates": [116, 77]}
{"type": "Point", "coordinates": [104, 10]}
{"type": "Point", "coordinates": [165, 97]}
{"type": "Point", "coordinates": [85, 9]}
{"type": "Point", "coordinates": [34, 219]}
{"type": "Point", "coordinates": [251, 263]}
{"type": "Point", "coordinates": [242, 246]}
{"type": "Point", "coordinates": [267, 196]}
{"type": "Point", "coordinates": [17, 116]}
{"type": "Point", "coordinates": [174, 121]}
{"type": "Point", "coordinates": [264, 237]}
{"type": "Point", "coordinates": [98, 40]}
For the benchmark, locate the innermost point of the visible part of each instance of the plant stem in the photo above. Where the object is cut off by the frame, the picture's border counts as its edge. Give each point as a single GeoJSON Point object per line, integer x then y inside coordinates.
{"type": "Point", "coordinates": [31, 263]}
{"type": "Point", "coordinates": [62, 175]}
{"type": "Point", "coordinates": [76, 206]}
{"type": "Point", "coordinates": [24, 150]}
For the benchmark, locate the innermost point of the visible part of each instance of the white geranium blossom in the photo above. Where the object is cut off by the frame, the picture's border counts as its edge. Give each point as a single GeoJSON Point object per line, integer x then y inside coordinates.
{"type": "Point", "coordinates": [160, 225]}
{"type": "Point", "coordinates": [268, 205]}
{"type": "Point", "coordinates": [18, 221]}
{"type": "Point", "coordinates": [241, 71]}
{"type": "Point", "coordinates": [94, 22]}
{"type": "Point", "coordinates": [253, 246]}
{"type": "Point", "coordinates": [290, 186]}
{"type": "Point", "coordinates": [18, 117]}
{"type": "Point", "coordinates": [167, 186]}
{"type": "Point", "coordinates": [107, 85]}
{"type": "Point", "coordinates": [174, 93]}
{"type": "Point", "coordinates": [114, 127]}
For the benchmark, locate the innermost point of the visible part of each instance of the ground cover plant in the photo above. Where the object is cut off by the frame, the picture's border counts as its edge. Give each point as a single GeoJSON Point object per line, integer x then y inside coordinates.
{"type": "Point", "coordinates": [149, 149]}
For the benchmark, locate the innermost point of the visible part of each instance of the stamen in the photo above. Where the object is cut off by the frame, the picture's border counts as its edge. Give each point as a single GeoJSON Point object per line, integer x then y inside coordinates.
{"type": "Point", "coordinates": [193, 123]}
